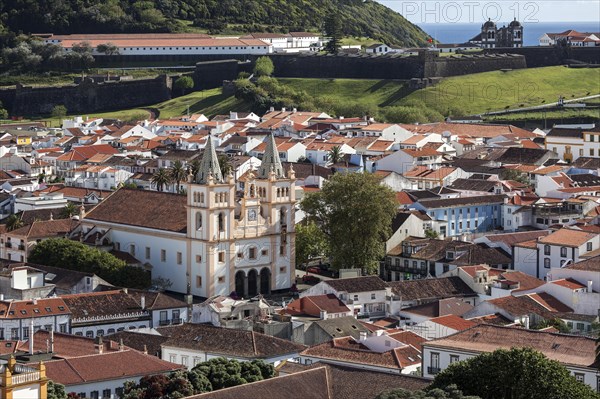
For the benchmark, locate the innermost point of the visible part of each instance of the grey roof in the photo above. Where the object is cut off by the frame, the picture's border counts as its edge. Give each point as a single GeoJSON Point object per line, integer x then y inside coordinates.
{"type": "Point", "coordinates": [346, 326]}
{"type": "Point", "coordinates": [473, 185]}
{"type": "Point", "coordinates": [463, 201]}
{"type": "Point", "coordinates": [358, 284]}
{"type": "Point", "coordinates": [270, 161]}
{"type": "Point", "coordinates": [585, 180]}
{"type": "Point", "coordinates": [586, 163]}
{"type": "Point", "coordinates": [209, 165]}
{"type": "Point", "coordinates": [431, 289]}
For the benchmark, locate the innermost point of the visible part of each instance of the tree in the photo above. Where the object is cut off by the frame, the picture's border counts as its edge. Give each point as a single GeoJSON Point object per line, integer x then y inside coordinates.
{"type": "Point", "coordinates": [3, 113]}
{"type": "Point", "coordinates": [161, 178]}
{"type": "Point", "coordinates": [68, 211]}
{"type": "Point", "coordinates": [335, 155]}
{"type": "Point", "coordinates": [310, 242]}
{"type": "Point", "coordinates": [108, 49]}
{"type": "Point", "coordinates": [431, 233]}
{"type": "Point", "coordinates": [184, 83]}
{"type": "Point", "coordinates": [14, 222]}
{"type": "Point", "coordinates": [557, 323]}
{"type": "Point", "coordinates": [450, 392]}
{"type": "Point", "coordinates": [56, 391]}
{"type": "Point", "coordinates": [74, 255]}
{"type": "Point", "coordinates": [355, 213]}
{"type": "Point", "coordinates": [333, 30]}
{"type": "Point", "coordinates": [518, 373]}
{"type": "Point", "coordinates": [194, 167]}
{"type": "Point", "coordinates": [224, 164]}
{"type": "Point", "coordinates": [59, 111]}
{"type": "Point", "coordinates": [177, 174]}
{"type": "Point", "coordinates": [263, 67]}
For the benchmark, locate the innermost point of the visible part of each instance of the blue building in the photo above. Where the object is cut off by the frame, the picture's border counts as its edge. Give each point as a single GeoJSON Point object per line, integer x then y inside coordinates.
{"type": "Point", "coordinates": [456, 216]}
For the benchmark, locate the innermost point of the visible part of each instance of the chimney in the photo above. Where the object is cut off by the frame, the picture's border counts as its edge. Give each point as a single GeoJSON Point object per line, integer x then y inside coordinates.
{"type": "Point", "coordinates": [323, 314]}
{"type": "Point", "coordinates": [283, 109]}
{"type": "Point", "coordinates": [526, 322]}
{"type": "Point", "coordinates": [99, 345]}
{"type": "Point", "coordinates": [272, 109]}
{"type": "Point", "coordinates": [145, 349]}
{"type": "Point", "coordinates": [121, 346]}
{"type": "Point", "coordinates": [590, 284]}
{"type": "Point", "coordinates": [1, 297]}
{"type": "Point", "coordinates": [31, 336]}
{"type": "Point", "coordinates": [143, 302]}
{"type": "Point", "coordinates": [363, 336]}
{"type": "Point", "coordinates": [34, 301]}
{"type": "Point", "coordinates": [125, 290]}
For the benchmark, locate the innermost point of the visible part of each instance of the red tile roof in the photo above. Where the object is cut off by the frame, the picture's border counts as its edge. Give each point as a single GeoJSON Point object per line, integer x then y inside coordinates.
{"type": "Point", "coordinates": [33, 308]}
{"type": "Point", "coordinates": [569, 283]}
{"type": "Point", "coordinates": [454, 322]}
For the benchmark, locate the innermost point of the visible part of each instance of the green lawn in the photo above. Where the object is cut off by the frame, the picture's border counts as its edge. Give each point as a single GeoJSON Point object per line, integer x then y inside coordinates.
{"type": "Point", "coordinates": [494, 91]}
{"type": "Point", "coordinates": [566, 113]}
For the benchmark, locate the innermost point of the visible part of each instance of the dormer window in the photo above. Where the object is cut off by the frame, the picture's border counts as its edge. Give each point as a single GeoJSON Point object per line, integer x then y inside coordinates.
{"type": "Point", "coordinates": [450, 255]}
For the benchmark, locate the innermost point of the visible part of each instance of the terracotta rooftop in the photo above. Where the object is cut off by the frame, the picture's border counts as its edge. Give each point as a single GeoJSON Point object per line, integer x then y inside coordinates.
{"type": "Point", "coordinates": [592, 264]}
{"type": "Point", "coordinates": [45, 229]}
{"type": "Point", "coordinates": [569, 283]}
{"type": "Point", "coordinates": [454, 322]}
{"type": "Point", "coordinates": [33, 308]}
{"type": "Point", "coordinates": [312, 305]}
{"type": "Point", "coordinates": [574, 350]}
{"type": "Point", "coordinates": [143, 208]}
{"type": "Point", "coordinates": [228, 342]}
{"type": "Point", "coordinates": [567, 237]}
{"type": "Point", "coordinates": [125, 364]}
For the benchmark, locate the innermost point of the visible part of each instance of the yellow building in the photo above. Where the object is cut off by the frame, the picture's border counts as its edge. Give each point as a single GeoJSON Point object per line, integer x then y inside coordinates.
{"type": "Point", "coordinates": [18, 381]}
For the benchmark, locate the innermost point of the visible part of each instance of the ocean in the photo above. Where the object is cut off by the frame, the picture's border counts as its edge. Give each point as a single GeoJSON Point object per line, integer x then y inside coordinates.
{"type": "Point", "coordinates": [461, 32]}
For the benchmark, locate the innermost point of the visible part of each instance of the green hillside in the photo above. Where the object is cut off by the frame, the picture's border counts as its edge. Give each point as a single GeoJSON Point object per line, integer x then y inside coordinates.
{"type": "Point", "coordinates": [359, 18]}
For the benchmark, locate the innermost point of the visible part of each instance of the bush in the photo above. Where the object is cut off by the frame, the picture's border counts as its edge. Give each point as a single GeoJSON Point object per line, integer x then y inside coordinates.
{"type": "Point", "coordinates": [184, 83]}
{"type": "Point", "coordinates": [264, 67]}
{"type": "Point", "coordinates": [59, 111]}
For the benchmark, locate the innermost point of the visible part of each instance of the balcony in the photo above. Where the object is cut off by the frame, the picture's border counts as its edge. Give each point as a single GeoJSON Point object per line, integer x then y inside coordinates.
{"type": "Point", "coordinates": [176, 320]}
{"type": "Point", "coordinates": [8, 245]}
{"type": "Point", "coordinates": [164, 322]}
{"type": "Point", "coordinates": [21, 247]}
{"type": "Point", "coordinates": [433, 370]}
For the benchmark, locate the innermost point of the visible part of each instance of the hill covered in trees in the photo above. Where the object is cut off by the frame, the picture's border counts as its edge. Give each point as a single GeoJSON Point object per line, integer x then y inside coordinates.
{"type": "Point", "coordinates": [358, 17]}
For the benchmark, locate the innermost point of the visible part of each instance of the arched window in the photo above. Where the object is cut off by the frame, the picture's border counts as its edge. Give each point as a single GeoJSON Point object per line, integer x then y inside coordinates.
{"type": "Point", "coordinates": [221, 223]}
{"type": "Point", "coordinates": [198, 221]}
{"type": "Point", "coordinates": [282, 215]}
{"type": "Point", "coordinates": [252, 191]}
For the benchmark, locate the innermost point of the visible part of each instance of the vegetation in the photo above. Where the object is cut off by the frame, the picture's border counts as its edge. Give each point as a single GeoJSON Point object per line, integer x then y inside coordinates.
{"type": "Point", "coordinates": [56, 391]}
{"type": "Point", "coordinates": [310, 242]}
{"type": "Point", "coordinates": [73, 255]}
{"type": "Point", "coordinates": [335, 155]}
{"type": "Point", "coordinates": [205, 377]}
{"type": "Point", "coordinates": [497, 90]}
{"type": "Point", "coordinates": [263, 67]}
{"type": "Point", "coordinates": [59, 111]}
{"type": "Point", "coordinates": [14, 222]}
{"type": "Point", "coordinates": [559, 324]}
{"type": "Point", "coordinates": [184, 84]}
{"type": "Point", "coordinates": [161, 179]}
{"type": "Point", "coordinates": [450, 392]}
{"type": "Point", "coordinates": [431, 233]}
{"type": "Point", "coordinates": [518, 373]}
{"type": "Point", "coordinates": [357, 17]}
{"type": "Point", "coordinates": [177, 174]}
{"type": "Point", "coordinates": [355, 213]}
{"type": "Point", "coordinates": [333, 30]}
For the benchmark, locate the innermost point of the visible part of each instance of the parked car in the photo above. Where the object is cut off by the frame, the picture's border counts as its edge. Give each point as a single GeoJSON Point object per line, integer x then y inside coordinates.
{"type": "Point", "coordinates": [309, 279]}
{"type": "Point", "coordinates": [314, 269]}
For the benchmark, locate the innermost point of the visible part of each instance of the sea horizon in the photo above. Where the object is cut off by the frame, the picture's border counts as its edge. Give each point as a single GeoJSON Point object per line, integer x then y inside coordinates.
{"type": "Point", "coordinates": [461, 32]}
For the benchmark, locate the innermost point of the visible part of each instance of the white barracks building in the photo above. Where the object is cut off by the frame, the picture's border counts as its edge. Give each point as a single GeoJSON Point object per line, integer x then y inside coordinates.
{"type": "Point", "coordinates": [212, 240]}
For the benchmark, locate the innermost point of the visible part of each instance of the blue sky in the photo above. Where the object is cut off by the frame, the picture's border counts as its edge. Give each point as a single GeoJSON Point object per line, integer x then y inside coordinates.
{"type": "Point", "coordinates": [466, 11]}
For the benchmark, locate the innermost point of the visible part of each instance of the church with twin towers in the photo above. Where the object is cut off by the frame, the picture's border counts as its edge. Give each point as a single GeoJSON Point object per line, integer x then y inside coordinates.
{"type": "Point", "coordinates": [214, 240]}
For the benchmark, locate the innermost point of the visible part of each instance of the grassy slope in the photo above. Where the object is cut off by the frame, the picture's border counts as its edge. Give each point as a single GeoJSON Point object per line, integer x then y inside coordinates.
{"type": "Point", "coordinates": [549, 83]}
{"type": "Point", "coordinates": [486, 91]}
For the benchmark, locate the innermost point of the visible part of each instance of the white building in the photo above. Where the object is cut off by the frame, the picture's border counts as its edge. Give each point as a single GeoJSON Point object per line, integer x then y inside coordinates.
{"type": "Point", "coordinates": [208, 242]}
{"type": "Point", "coordinates": [18, 317]}
{"type": "Point", "coordinates": [92, 176]}
{"type": "Point", "coordinates": [576, 353]}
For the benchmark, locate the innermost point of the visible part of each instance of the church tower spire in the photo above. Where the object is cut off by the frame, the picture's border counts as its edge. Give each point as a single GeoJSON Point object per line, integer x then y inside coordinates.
{"type": "Point", "coordinates": [209, 165]}
{"type": "Point", "coordinates": [271, 161]}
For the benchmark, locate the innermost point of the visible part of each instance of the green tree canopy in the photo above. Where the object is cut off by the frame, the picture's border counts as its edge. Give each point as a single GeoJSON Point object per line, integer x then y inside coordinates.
{"type": "Point", "coordinates": [108, 49]}
{"type": "Point", "coordinates": [59, 111]}
{"type": "Point", "coordinates": [333, 30]}
{"type": "Point", "coordinates": [161, 178]}
{"type": "Point", "coordinates": [74, 255]}
{"type": "Point", "coordinates": [450, 392]}
{"type": "Point", "coordinates": [177, 174]}
{"type": "Point", "coordinates": [355, 212]}
{"type": "Point", "coordinates": [263, 67]}
{"type": "Point", "coordinates": [184, 83]}
{"type": "Point", "coordinates": [56, 390]}
{"type": "Point", "coordinates": [518, 373]}
{"type": "Point", "coordinates": [310, 242]}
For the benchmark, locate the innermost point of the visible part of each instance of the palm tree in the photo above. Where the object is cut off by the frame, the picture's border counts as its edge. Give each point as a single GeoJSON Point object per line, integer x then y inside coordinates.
{"type": "Point", "coordinates": [335, 155]}
{"type": "Point", "coordinates": [224, 164]}
{"type": "Point", "coordinates": [69, 210]}
{"type": "Point", "coordinates": [178, 174]}
{"type": "Point", "coordinates": [194, 167]}
{"type": "Point", "coordinates": [14, 222]}
{"type": "Point", "coordinates": [161, 179]}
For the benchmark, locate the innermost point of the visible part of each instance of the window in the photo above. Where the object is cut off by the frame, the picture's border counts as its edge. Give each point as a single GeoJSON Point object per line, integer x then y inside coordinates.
{"type": "Point", "coordinates": [591, 152]}
{"type": "Point", "coordinates": [454, 359]}
{"type": "Point", "coordinates": [221, 222]}
{"type": "Point", "coordinates": [198, 258]}
{"type": "Point", "coordinates": [106, 393]}
{"type": "Point", "coordinates": [62, 328]}
{"type": "Point", "coordinates": [221, 256]}
{"type": "Point", "coordinates": [82, 395]}
{"type": "Point", "coordinates": [252, 253]}
{"type": "Point", "coordinates": [147, 252]}
{"type": "Point", "coordinates": [198, 221]}
{"type": "Point", "coordinates": [163, 255]}
{"type": "Point", "coordinates": [435, 360]}
{"type": "Point", "coordinates": [132, 249]}
{"type": "Point", "coordinates": [589, 246]}
{"type": "Point", "coordinates": [198, 281]}
{"type": "Point", "coordinates": [179, 258]}
{"type": "Point", "coordinates": [446, 268]}
{"type": "Point", "coordinates": [221, 279]}
{"type": "Point", "coordinates": [89, 334]}
{"type": "Point", "coordinates": [563, 252]}
{"type": "Point", "coordinates": [197, 361]}
{"type": "Point", "coordinates": [580, 377]}
{"type": "Point", "coordinates": [282, 269]}
{"type": "Point", "coordinates": [119, 392]}
{"type": "Point", "coordinates": [580, 326]}
{"type": "Point", "coordinates": [100, 333]}
{"type": "Point", "coordinates": [372, 296]}
{"type": "Point", "coordinates": [172, 358]}
{"type": "Point", "coordinates": [25, 332]}
{"type": "Point", "coordinates": [264, 252]}
{"type": "Point", "coordinates": [546, 249]}
{"type": "Point", "coordinates": [184, 361]}
{"type": "Point", "coordinates": [356, 297]}
{"type": "Point", "coordinates": [547, 263]}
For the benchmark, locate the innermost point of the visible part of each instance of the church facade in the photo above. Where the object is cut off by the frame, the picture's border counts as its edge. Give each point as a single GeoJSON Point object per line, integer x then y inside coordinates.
{"type": "Point", "coordinates": [213, 240]}
{"type": "Point", "coordinates": [507, 36]}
